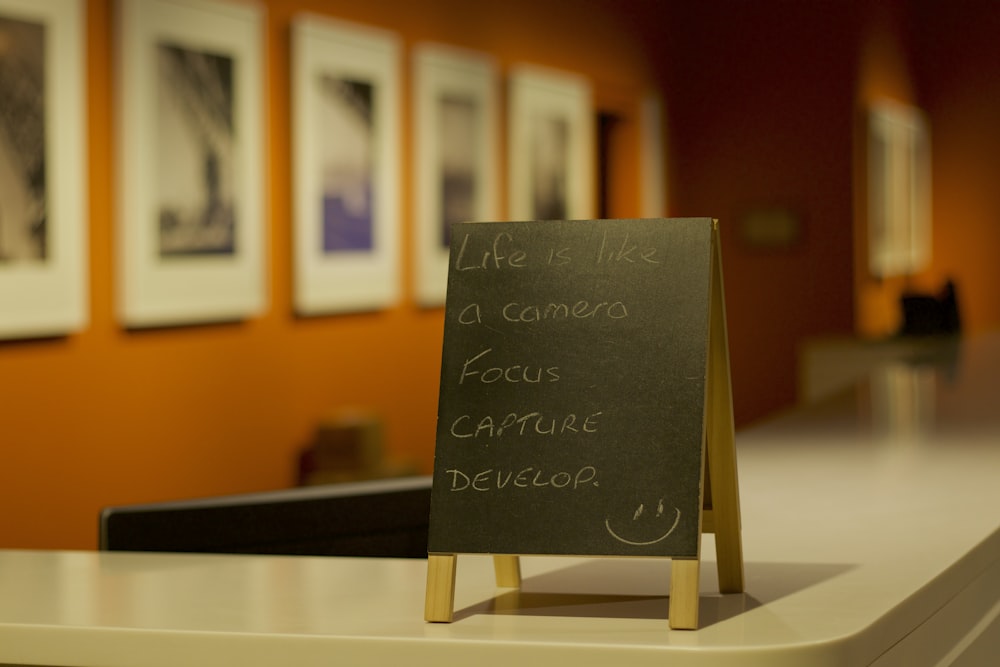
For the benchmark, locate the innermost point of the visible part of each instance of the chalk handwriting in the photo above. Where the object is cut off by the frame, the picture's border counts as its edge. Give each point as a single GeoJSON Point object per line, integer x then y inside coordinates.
{"type": "Point", "coordinates": [612, 252]}
{"type": "Point", "coordinates": [581, 309]}
{"type": "Point", "coordinates": [514, 423]}
{"type": "Point", "coordinates": [517, 312]}
{"type": "Point", "coordinates": [559, 257]}
{"type": "Point", "coordinates": [503, 253]}
{"type": "Point", "coordinates": [514, 373]}
{"type": "Point", "coordinates": [526, 478]}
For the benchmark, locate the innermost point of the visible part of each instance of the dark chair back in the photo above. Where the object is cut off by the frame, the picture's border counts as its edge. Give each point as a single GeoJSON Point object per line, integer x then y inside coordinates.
{"type": "Point", "coordinates": [380, 518]}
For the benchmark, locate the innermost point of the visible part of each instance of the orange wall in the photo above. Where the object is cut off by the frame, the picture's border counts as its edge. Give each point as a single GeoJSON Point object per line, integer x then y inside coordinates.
{"type": "Point", "coordinates": [109, 416]}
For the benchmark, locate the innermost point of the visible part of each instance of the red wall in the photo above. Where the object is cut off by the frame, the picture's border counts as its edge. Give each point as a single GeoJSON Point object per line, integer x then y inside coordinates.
{"type": "Point", "coordinates": [761, 115]}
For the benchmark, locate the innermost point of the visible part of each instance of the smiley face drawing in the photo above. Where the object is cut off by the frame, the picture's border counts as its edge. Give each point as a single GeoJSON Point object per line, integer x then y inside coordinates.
{"type": "Point", "coordinates": [647, 526]}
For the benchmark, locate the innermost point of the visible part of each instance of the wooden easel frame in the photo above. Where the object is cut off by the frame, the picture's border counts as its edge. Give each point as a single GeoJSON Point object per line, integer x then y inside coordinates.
{"type": "Point", "coordinates": [720, 512]}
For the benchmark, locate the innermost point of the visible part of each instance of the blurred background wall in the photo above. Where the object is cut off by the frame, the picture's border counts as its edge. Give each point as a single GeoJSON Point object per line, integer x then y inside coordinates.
{"type": "Point", "coordinates": [763, 115]}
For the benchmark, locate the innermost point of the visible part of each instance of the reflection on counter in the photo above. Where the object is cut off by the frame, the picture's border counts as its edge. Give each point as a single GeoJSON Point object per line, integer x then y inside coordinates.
{"type": "Point", "coordinates": [902, 399]}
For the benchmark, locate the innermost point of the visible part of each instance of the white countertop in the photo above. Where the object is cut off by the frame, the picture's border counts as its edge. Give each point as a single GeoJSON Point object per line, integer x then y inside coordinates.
{"type": "Point", "coordinates": [871, 536]}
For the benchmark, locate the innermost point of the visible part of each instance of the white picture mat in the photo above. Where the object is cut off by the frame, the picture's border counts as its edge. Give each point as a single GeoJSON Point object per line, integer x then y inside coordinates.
{"type": "Point", "coordinates": [535, 93]}
{"type": "Point", "coordinates": [899, 191]}
{"type": "Point", "coordinates": [51, 297]}
{"type": "Point", "coordinates": [179, 290]}
{"type": "Point", "coordinates": [446, 71]}
{"type": "Point", "coordinates": [344, 281]}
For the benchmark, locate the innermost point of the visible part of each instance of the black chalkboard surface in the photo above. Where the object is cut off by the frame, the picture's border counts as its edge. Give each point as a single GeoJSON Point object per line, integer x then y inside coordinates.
{"type": "Point", "coordinates": [573, 388]}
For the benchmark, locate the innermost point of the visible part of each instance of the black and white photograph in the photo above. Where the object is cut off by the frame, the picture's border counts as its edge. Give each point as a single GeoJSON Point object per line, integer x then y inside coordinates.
{"type": "Point", "coordinates": [44, 285]}
{"type": "Point", "coordinates": [551, 138]}
{"type": "Point", "coordinates": [190, 223]}
{"type": "Point", "coordinates": [346, 131]}
{"type": "Point", "coordinates": [455, 139]}
{"type": "Point", "coordinates": [457, 122]}
{"type": "Point", "coordinates": [549, 166]}
{"type": "Point", "coordinates": [23, 228]}
{"type": "Point", "coordinates": [195, 148]}
{"type": "Point", "coordinates": [345, 157]}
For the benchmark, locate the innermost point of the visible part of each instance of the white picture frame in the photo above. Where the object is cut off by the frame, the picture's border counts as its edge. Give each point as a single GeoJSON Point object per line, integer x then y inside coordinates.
{"type": "Point", "coordinates": [44, 285]}
{"type": "Point", "coordinates": [191, 223]}
{"type": "Point", "coordinates": [551, 145]}
{"type": "Point", "coordinates": [346, 164]}
{"type": "Point", "coordinates": [899, 190]}
{"type": "Point", "coordinates": [456, 150]}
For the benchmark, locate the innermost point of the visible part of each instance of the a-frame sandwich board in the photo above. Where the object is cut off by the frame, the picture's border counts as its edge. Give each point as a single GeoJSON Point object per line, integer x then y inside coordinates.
{"type": "Point", "coordinates": [717, 490]}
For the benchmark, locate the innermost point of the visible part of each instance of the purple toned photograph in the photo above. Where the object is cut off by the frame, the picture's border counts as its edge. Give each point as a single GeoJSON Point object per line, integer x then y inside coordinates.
{"type": "Point", "coordinates": [347, 136]}
{"type": "Point", "coordinates": [23, 210]}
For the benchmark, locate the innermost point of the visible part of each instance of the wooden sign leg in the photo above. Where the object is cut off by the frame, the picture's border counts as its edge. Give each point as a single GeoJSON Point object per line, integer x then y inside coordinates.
{"type": "Point", "coordinates": [683, 610]}
{"type": "Point", "coordinates": [439, 600]}
{"type": "Point", "coordinates": [728, 538]}
{"type": "Point", "coordinates": [508, 571]}
{"type": "Point", "coordinates": [721, 450]}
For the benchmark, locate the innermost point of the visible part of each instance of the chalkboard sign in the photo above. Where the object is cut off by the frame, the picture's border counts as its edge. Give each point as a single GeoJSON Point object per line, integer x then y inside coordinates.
{"type": "Point", "coordinates": [572, 408]}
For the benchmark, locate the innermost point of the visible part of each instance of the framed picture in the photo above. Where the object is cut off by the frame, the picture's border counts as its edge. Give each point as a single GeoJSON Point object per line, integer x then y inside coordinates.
{"type": "Point", "coordinates": [551, 144]}
{"type": "Point", "coordinates": [652, 161]}
{"type": "Point", "coordinates": [455, 138]}
{"type": "Point", "coordinates": [43, 203]}
{"type": "Point", "coordinates": [190, 220]}
{"type": "Point", "coordinates": [345, 137]}
{"type": "Point", "coordinates": [899, 190]}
